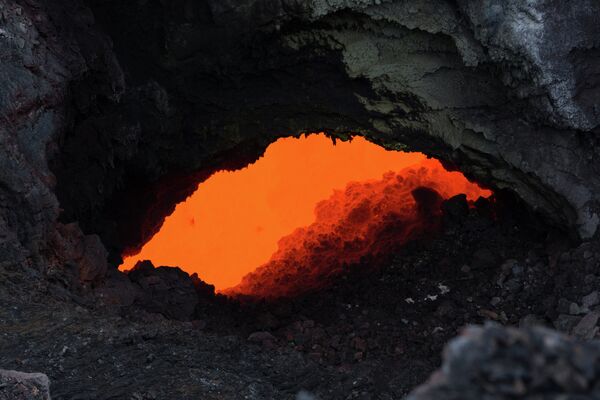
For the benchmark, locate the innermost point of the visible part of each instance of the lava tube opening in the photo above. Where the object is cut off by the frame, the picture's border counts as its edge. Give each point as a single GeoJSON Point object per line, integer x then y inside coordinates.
{"type": "Point", "coordinates": [305, 209]}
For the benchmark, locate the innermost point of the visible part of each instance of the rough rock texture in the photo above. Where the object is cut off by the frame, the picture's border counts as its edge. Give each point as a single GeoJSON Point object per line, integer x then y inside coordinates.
{"type": "Point", "coordinates": [15, 385]}
{"type": "Point", "coordinates": [164, 290]}
{"type": "Point", "coordinates": [45, 52]}
{"type": "Point", "coordinates": [114, 111]}
{"type": "Point", "coordinates": [499, 363]}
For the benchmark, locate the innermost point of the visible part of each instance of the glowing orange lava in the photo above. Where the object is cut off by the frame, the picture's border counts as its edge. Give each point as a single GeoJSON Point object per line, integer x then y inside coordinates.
{"type": "Point", "coordinates": [366, 219]}
{"type": "Point", "coordinates": [232, 224]}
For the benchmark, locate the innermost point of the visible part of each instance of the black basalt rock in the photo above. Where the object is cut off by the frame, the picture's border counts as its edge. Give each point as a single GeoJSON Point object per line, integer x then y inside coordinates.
{"type": "Point", "coordinates": [165, 290]}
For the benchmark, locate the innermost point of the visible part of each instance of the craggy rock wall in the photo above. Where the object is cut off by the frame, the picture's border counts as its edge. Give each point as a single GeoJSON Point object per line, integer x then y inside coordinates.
{"type": "Point", "coordinates": [45, 51]}
{"type": "Point", "coordinates": [115, 110]}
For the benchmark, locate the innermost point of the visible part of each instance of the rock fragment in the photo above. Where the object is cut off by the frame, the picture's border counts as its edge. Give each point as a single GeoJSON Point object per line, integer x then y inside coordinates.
{"type": "Point", "coordinates": [261, 337]}
{"type": "Point", "coordinates": [165, 290]}
{"type": "Point", "coordinates": [15, 385]}
{"type": "Point", "coordinates": [586, 328]}
{"type": "Point", "coordinates": [493, 362]}
{"type": "Point", "coordinates": [591, 300]}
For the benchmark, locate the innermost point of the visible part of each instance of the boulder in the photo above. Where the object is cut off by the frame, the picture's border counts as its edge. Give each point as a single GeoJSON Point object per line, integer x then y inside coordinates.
{"type": "Point", "coordinates": [494, 362]}
{"type": "Point", "coordinates": [455, 208]}
{"type": "Point", "coordinates": [15, 385]}
{"type": "Point", "coordinates": [165, 290]}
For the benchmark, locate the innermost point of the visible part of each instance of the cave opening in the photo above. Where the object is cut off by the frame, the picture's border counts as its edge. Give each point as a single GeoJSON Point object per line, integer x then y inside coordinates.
{"type": "Point", "coordinates": [114, 112]}
{"type": "Point", "coordinates": [311, 206]}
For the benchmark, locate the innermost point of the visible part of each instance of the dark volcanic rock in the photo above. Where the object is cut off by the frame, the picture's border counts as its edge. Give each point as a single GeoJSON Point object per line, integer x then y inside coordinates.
{"type": "Point", "coordinates": [204, 290]}
{"type": "Point", "coordinates": [498, 363]}
{"type": "Point", "coordinates": [16, 385]}
{"type": "Point", "coordinates": [46, 48]}
{"type": "Point", "coordinates": [165, 290]}
{"type": "Point", "coordinates": [117, 289]}
{"type": "Point", "coordinates": [456, 208]}
{"type": "Point", "coordinates": [92, 265]}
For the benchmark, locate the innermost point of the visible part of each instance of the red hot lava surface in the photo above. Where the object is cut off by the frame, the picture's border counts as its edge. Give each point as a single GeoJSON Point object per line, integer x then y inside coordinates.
{"type": "Point", "coordinates": [272, 215]}
{"type": "Point", "coordinates": [369, 218]}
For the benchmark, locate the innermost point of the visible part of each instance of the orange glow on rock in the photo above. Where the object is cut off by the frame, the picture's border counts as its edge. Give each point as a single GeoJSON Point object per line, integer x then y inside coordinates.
{"type": "Point", "coordinates": [232, 224]}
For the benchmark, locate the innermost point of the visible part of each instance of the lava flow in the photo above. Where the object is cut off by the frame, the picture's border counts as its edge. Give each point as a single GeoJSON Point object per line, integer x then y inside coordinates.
{"type": "Point", "coordinates": [369, 218]}
{"type": "Point", "coordinates": [272, 215]}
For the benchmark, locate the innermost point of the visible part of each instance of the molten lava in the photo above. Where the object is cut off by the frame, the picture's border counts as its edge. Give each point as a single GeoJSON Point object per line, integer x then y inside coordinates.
{"type": "Point", "coordinates": [272, 215]}
{"type": "Point", "coordinates": [369, 218]}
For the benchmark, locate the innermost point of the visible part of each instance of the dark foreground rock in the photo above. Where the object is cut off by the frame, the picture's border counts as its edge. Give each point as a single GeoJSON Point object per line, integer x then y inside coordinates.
{"type": "Point", "coordinates": [498, 363]}
{"type": "Point", "coordinates": [15, 385]}
{"type": "Point", "coordinates": [164, 290]}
